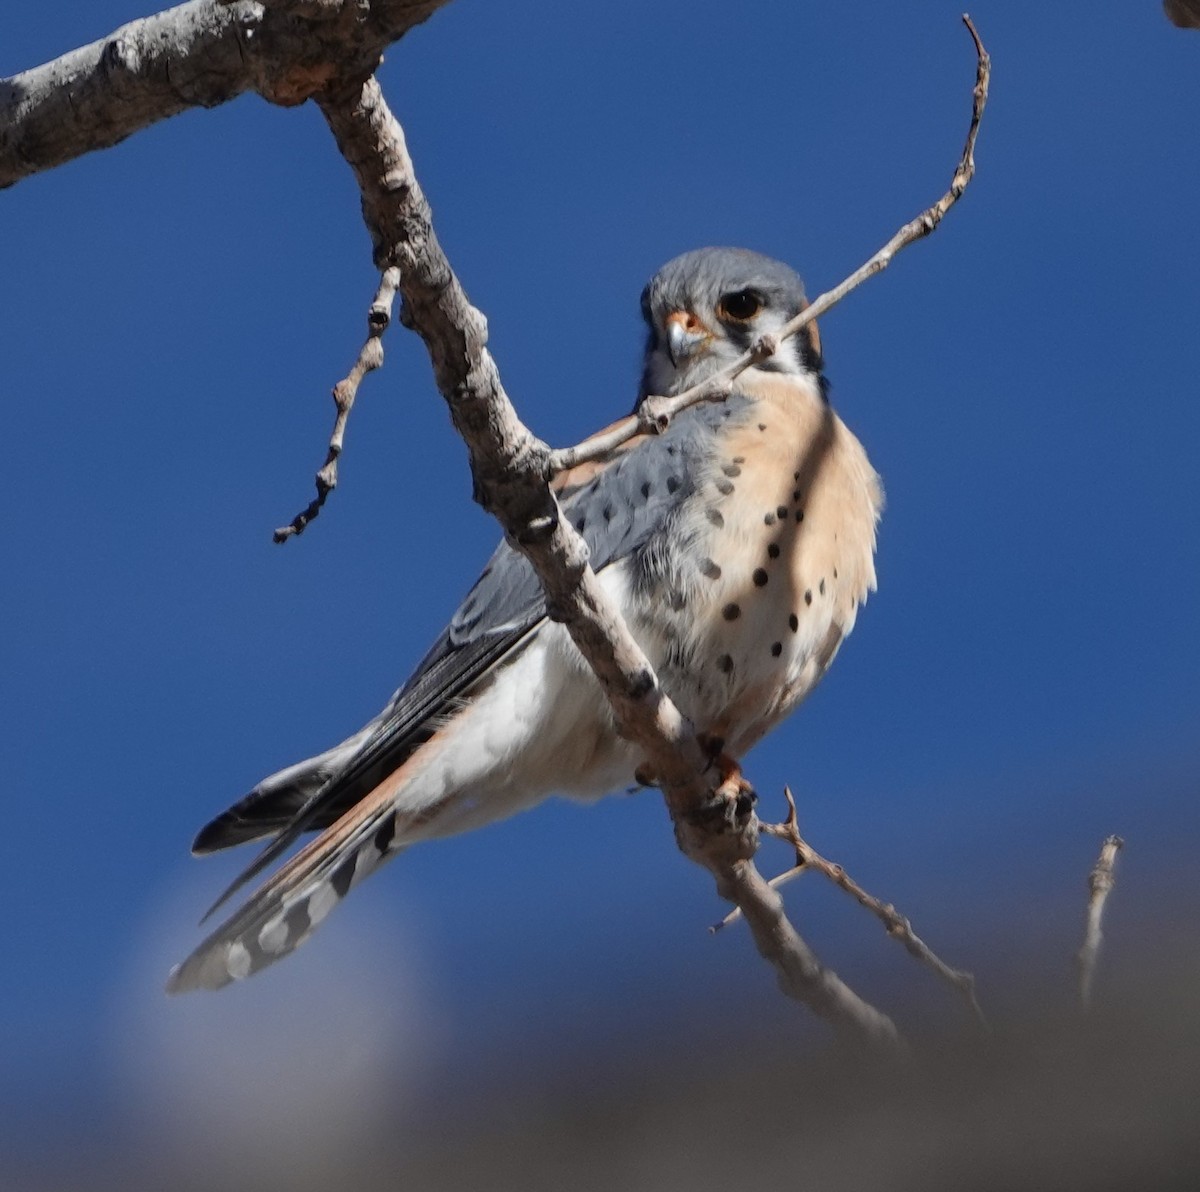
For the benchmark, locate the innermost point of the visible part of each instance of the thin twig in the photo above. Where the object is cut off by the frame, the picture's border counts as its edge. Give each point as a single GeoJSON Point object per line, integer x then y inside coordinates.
{"type": "Point", "coordinates": [897, 925]}
{"type": "Point", "coordinates": [655, 413]}
{"type": "Point", "coordinates": [344, 393]}
{"type": "Point", "coordinates": [1100, 883]}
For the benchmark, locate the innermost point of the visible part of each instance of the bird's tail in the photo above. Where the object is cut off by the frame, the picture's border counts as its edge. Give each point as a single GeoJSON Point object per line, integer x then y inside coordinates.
{"type": "Point", "coordinates": [287, 908]}
{"type": "Point", "coordinates": [274, 803]}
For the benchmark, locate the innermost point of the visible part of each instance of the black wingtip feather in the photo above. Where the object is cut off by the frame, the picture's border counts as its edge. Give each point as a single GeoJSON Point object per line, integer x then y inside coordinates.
{"type": "Point", "coordinates": [224, 832]}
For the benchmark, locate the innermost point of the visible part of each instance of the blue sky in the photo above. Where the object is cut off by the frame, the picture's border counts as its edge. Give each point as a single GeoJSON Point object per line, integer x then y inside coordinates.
{"type": "Point", "coordinates": [1027, 680]}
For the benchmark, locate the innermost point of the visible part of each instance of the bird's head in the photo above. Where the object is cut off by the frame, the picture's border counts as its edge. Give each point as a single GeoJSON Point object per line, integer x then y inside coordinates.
{"type": "Point", "coordinates": [705, 308]}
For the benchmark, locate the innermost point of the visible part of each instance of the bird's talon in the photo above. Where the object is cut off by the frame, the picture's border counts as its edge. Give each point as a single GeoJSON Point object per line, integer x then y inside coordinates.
{"type": "Point", "coordinates": [744, 803]}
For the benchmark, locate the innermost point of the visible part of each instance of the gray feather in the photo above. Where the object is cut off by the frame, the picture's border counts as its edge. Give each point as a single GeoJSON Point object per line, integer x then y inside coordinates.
{"type": "Point", "coordinates": [617, 513]}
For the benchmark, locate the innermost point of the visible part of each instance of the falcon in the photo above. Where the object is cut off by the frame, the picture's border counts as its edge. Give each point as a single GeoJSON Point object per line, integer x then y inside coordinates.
{"type": "Point", "coordinates": [738, 544]}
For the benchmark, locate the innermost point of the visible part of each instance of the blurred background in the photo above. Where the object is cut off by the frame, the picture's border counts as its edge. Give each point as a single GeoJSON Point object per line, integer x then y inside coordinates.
{"type": "Point", "coordinates": [540, 1004]}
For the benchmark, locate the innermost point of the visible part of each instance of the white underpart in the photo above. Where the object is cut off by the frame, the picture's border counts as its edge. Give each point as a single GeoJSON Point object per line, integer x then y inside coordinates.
{"type": "Point", "coordinates": [238, 960]}
{"type": "Point", "coordinates": [540, 726]}
{"type": "Point", "coordinates": [323, 901]}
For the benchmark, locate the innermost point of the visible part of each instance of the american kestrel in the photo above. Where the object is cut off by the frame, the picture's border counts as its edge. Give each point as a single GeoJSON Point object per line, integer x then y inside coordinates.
{"type": "Point", "coordinates": [738, 544]}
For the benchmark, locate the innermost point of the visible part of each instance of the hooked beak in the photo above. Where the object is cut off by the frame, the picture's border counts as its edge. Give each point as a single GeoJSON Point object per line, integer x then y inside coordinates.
{"type": "Point", "coordinates": [686, 335]}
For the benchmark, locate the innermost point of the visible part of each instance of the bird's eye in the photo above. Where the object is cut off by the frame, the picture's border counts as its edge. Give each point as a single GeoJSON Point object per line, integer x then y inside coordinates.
{"type": "Point", "coordinates": [741, 305]}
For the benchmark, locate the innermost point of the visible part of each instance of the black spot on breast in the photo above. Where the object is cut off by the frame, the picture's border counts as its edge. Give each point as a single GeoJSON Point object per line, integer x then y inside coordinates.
{"type": "Point", "coordinates": [821, 586]}
{"type": "Point", "coordinates": [731, 612]}
{"type": "Point", "coordinates": [762, 426]}
{"type": "Point", "coordinates": [781, 512]}
{"type": "Point", "coordinates": [672, 483]}
{"type": "Point", "coordinates": [709, 568]}
{"type": "Point", "coordinates": [769, 520]}
{"type": "Point", "coordinates": [725, 487]}
{"type": "Point", "coordinates": [808, 596]}
{"type": "Point", "coordinates": [835, 573]}
{"type": "Point", "coordinates": [677, 600]}
{"type": "Point", "coordinates": [671, 449]}
{"type": "Point", "coordinates": [776, 649]}
{"type": "Point", "coordinates": [580, 523]}
{"type": "Point", "coordinates": [800, 516]}
{"type": "Point", "coordinates": [795, 475]}
{"type": "Point", "coordinates": [387, 830]}
{"type": "Point", "coordinates": [731, 470]}
{"type": "Point", "coordinates": [716, 517]}
{"type": "Point", "coordinates": [773, 550]}
{"type": "Point", "coordinates": [725, 663]}
{"type": "Point", "coordinates": [646, 490]}
{"type": "Point", "coordinates": [796, 494]}
{"type": "Point", "coordinates": [739, 459]}
{"type": "Point", "coordinates": [608, 513]}
{"type": "Point", "coordinates": [760, 578]}
{"type": "Point", "coordinates": [794, 623]}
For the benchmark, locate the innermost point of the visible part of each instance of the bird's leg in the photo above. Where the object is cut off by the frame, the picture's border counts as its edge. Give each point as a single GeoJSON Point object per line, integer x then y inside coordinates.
{"type": "Point", "coordinates": [732, 800]}
{"type": "Point", "coordinates": [733, 793]}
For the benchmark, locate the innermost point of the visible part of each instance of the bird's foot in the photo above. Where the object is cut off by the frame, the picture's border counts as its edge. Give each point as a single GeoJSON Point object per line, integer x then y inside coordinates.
{"type": "Point", "coordinates": [734, 798]}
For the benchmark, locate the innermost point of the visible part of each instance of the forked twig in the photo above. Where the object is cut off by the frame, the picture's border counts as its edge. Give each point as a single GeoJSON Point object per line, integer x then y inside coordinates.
{"type": "Point", "coordinates": [655, 413]}
{"type": "Point", "coordinates": [1100, 883]}
{"type": "Point", "coordinates": [897, 925]}
{"type": "Point", "coordinates": [344, 393]}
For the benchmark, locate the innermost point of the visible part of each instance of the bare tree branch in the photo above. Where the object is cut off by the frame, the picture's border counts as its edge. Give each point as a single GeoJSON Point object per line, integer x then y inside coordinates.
{"type": "Point", "coordinates": [344, 393]}
{"type": "Point", "coordinates": [655, 413]}
{"type": "Point", "coordinates": [897, 925]}
{"type": "Point", "coordinates": [198, 54]}
{"type": "Point", "coordinates": [510, 467]}
{"type": "Point", "coordinates": [713, 825]}
{"type": "Point", "coordinates": [206, 52]}
{"type": "Point", "coordinates": [1101, 881]}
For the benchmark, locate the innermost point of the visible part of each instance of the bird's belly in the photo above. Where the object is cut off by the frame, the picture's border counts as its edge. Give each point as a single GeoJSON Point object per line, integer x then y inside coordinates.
{"type": "Point", "coordinates": [744, 604]}
{"type": "Point", "coordinates": [541, 726]}
{"type": "Point", "coordinates": [737, 670]}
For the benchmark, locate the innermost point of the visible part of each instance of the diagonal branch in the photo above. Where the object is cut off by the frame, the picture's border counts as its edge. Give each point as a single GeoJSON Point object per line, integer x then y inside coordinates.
{"type": "Point", "coordinates": [344, 393]}
{"type": "Point", "coordinates": [655, 413]}
{"type": "Point", "coordinates": [897, 925]}
{"type": "Point", "coordinates": [206, 52]}
{"type": "Point", "coordinates": [199, 54]}
{"type": "Point", "coordinates": [509, 468]}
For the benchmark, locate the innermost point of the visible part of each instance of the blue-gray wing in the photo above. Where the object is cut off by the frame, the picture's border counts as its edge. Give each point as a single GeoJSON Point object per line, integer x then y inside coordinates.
{"type": "Point", "coordinates": [617, 507]}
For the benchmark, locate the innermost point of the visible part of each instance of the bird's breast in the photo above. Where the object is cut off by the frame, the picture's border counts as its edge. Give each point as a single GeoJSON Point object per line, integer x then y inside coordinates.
{"type": "Point", "coordinates": [743, 601]}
